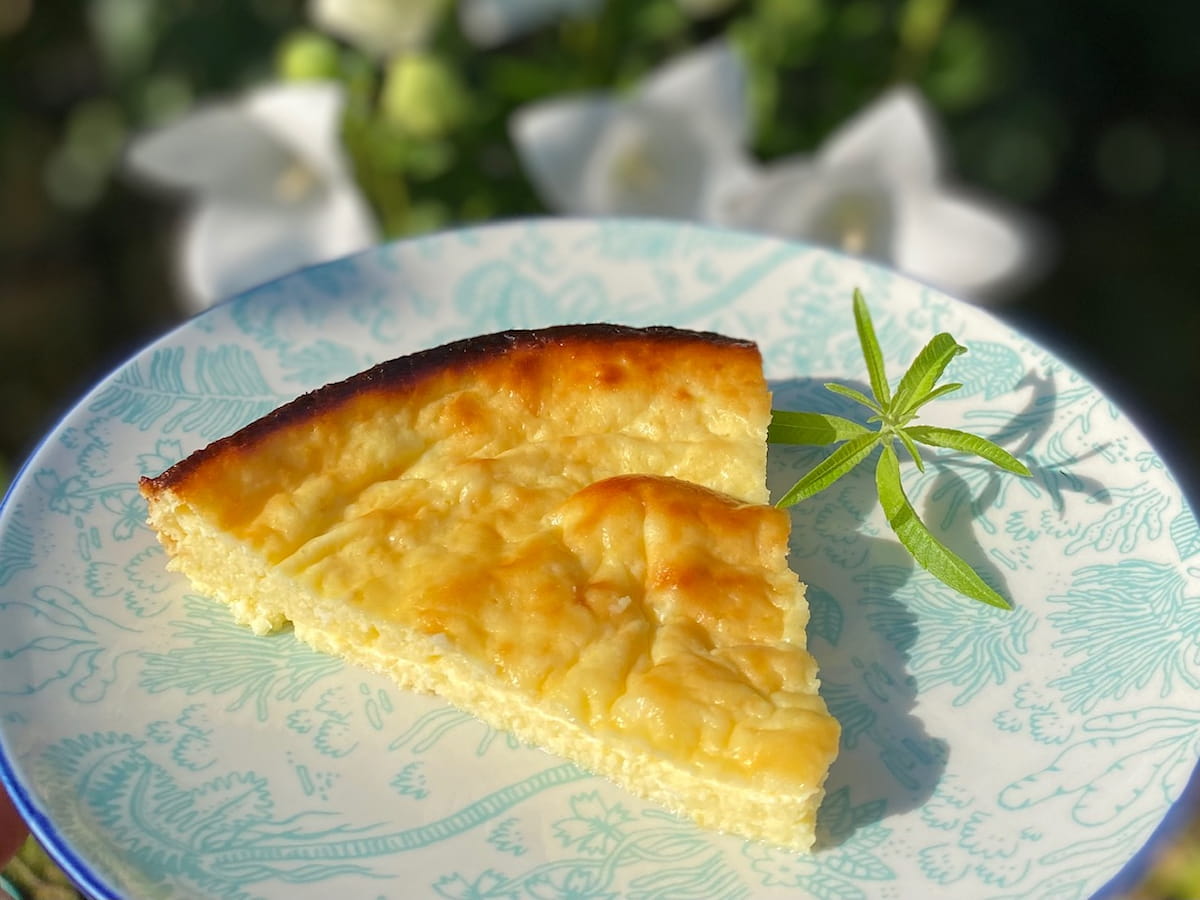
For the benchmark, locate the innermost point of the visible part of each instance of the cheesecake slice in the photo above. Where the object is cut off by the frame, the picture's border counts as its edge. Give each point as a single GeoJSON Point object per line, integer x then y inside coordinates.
{"type": "Point", "coordinates": [564, 532]}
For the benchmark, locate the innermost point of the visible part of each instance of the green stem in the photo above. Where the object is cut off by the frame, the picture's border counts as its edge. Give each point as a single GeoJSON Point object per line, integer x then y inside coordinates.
{"type": "Point", "coordinates": [921, 25]}
{"type": "Point", "coordinates": [385, 188]}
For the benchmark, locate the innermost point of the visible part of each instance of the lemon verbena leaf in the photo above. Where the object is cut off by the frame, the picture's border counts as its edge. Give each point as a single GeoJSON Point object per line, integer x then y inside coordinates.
{"type": "Point", "coordinates": [940, 391]}
{"type": "Point", "coordinates": [855, 395]}
{"type": "Point", "coordinates": [831, 468]}
{"type": "Point", "coordinates": [911, 448]}
{"type": "Point", "coordinates": [870, 349]}
{"type": "Point", "coordinates": [923, 374]}
{"type": "Point", "coordinates": [965, 442]}
{"type": "Point", "coordinates": [811, 428]}
{"type": "Point", "coordinates": [927, 550]}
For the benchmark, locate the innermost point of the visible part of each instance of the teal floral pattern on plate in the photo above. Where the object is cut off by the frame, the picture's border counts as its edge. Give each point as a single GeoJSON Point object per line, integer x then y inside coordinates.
{"type": "Point", "coordinates": [159, 749]}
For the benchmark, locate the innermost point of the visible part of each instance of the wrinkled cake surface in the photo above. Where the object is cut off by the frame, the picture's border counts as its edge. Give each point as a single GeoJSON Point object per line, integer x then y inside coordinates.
{"type": "Point", "coordinates": [562, 531]}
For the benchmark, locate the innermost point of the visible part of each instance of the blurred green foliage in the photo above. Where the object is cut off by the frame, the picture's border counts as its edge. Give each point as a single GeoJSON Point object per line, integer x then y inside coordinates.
{"type": "Point", "coordinates": [34, 876]}
{"type": "Point", "coordinates": [1083, 113]}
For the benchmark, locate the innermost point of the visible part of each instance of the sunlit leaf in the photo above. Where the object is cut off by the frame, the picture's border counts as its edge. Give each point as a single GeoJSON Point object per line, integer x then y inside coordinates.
{"type": "Point", "coordinates": [953, 439]}
{"type": "Point", "coordinates": [816, 429]}
{"type": "Point", "coordinates": [870, 349]}
{"type": "Point", "coordinates": [927, 550]}
{"type": "Point", "coordinates": [830, 469]}
{"type": "Point", "coordinates": [923, 374]}
{"type": "Point", "coordinates": [917, 387]}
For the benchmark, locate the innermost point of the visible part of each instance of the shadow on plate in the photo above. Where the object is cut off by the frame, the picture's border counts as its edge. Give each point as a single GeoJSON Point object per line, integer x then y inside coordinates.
{"type": "Point", "coordinates": [861, 631]}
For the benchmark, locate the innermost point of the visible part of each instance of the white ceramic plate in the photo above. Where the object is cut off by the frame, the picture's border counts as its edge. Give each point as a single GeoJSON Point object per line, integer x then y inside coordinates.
{"type": "Point", "coordinates": [159, 749]}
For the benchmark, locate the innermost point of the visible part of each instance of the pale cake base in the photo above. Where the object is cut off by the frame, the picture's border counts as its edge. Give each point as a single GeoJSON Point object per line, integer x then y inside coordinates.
{"type": "Point", "coordinates": [775, 813]}
{"type": "Point", "coordinates": [560, 532]}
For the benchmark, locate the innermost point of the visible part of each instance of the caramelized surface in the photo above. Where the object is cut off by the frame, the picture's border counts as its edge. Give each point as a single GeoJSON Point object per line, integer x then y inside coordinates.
{"type": "Point", "coordinates": [639, 605]}
{"type": "Point", "coordinates": [577, 514]}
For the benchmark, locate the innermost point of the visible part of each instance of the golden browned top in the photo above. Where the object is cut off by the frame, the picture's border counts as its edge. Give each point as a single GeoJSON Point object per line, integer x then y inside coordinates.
{"type": "Point", "coordinates": [641, 606]}
{"type": "Point", "coordinates": [539, 365]}
{"type": "Point", "coordinates": [578, 511]}
{"type": "Point", "coordinates": [679, 402]}
{"type": "Point", "coordinates": [696, 641]}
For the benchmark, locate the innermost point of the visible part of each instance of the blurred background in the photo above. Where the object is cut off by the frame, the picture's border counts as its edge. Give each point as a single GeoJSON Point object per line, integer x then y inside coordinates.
{"type": "Point", "coordinates": [1080, 116]}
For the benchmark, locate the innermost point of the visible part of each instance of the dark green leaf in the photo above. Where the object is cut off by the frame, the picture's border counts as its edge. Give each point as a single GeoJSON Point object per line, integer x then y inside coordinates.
{"type": "Point", "coordinates": [927, 550]}
{"type": "Point", "coordinates": [870, 349]}
{"type": "Point", "coordinates": [830, 469]}
{"type": "Point", "coordinates": [923, 374]}
{"type": "Point", "coordinates": [811, 428]}
{"type": "Point", "coordinates": [953, 439]}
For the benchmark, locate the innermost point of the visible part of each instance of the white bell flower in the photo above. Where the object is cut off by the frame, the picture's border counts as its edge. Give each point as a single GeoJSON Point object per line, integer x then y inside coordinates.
{"type": "Point", "coordinates": [380, 28]}
{"type": "Point", "coordinates": [674, 147]}
{"type": "Point", "coordinates": [270, 185]}
{"type": "Point", "coordinates": [488, 23]}
{"type": "Point", "coordinates": [878, 187]}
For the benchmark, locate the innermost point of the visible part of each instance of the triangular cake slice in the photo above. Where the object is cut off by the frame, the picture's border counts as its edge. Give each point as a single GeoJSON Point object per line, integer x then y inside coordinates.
{"type": "Point", "coordinates": [561, 531]}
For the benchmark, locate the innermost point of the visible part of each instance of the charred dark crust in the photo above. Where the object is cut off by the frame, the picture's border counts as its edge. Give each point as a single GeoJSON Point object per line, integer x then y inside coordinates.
{"type": "Point", "coordinates": [405, 371]}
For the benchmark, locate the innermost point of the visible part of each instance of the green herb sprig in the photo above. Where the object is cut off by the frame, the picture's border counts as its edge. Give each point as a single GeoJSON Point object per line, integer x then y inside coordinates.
{"type": "Point", "coordinates": [894, 411]}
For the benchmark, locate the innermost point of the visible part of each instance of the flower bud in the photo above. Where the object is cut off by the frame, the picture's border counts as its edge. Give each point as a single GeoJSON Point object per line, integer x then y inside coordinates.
{"type": "Point", "coordinates": [423, 96]}
{"type": "Point", "coordinates": [308, 56]}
